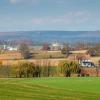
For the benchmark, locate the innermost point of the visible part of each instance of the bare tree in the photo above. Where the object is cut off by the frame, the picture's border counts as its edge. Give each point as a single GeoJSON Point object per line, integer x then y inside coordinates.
{"type": "Point", "coordinates": [65, 49]}
{"type": "Point", "coordinates": [24, 50]}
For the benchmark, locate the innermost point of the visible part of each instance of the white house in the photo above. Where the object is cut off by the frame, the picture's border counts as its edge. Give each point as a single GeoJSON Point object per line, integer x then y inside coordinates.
{"type": "Point", "coordinates": [10, 48]}
{"type": "Point", "coordinates": [56, 46]}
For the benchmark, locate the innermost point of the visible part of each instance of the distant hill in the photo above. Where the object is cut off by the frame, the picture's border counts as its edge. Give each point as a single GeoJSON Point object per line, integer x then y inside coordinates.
{"type": "Point", "coordinates": [51, 36]}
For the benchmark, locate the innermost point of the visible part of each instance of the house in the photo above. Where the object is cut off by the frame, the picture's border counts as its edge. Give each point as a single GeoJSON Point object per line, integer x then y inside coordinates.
{"type": "Point", "coordinates": [78, 52]}
{"type": "Point", "coordinates": [9, 48]}
{"type": "Point", "coordinates": [56, 46]}
{"type": "Point", "coordinates": [12, 48]}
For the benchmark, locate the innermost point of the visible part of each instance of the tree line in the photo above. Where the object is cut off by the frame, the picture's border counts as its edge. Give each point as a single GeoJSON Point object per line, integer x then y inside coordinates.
{"type": "Point", "coordinates": [25, 69]}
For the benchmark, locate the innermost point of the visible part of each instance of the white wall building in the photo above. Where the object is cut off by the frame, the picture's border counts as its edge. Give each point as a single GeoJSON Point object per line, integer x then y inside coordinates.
{"type": "Point", "coordinates": [10, 48]}
{"type": "Point", "coordinates": [56, 46]}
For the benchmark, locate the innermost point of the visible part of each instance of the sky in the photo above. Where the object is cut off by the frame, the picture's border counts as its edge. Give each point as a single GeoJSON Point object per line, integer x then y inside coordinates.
{"type": "Point", "coordinates": [67, 15]}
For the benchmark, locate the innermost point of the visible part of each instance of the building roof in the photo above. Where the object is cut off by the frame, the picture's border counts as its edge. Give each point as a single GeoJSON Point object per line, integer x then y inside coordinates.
{"type": "Point", "coordinates": [79, 51]}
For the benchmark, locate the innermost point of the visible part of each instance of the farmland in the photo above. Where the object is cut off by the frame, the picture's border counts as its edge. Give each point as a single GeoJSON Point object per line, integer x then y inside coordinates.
{"type": "Point", "coordinates": [50, 89]}
{"type": "Point", "coordinates": [39, 54]}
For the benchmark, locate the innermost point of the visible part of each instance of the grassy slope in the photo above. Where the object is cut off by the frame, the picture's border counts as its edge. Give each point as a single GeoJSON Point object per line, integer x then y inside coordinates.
{"type": "Point", "coordinates": [50, 89]}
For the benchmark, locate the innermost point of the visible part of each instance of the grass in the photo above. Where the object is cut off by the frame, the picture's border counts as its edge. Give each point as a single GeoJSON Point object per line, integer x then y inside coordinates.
{"type": "Point", "coordinates": [50, 89]}
{"type": "Point", "coordinates": [47, 55]}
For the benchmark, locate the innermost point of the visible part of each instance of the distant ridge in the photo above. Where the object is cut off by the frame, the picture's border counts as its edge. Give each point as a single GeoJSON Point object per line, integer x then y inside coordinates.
{"type": "Point", "coordinates": [50, 36]}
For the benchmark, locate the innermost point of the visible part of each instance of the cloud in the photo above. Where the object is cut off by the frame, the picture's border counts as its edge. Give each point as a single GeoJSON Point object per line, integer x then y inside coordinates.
{"type": "Point", "coordinates": [60, 1]}
{"type": "Point", "coordinates": [14, 1]}
{"type": "Point", "coordinates": [71, 18]}
{"type": "Point", "coordinates": [24, 1]}
{"type": "Point", "coordinates": [38, 21]}
{"type": "Point", "coordinates": [38, 1]}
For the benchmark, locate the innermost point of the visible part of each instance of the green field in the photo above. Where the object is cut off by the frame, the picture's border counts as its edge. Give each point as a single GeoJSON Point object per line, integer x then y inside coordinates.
{"type": "Point", "coordinates": [50, 89]}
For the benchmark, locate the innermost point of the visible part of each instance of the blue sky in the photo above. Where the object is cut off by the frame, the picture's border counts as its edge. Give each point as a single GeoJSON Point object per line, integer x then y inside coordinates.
{"type": "Point", "coordinates": [28, 15]}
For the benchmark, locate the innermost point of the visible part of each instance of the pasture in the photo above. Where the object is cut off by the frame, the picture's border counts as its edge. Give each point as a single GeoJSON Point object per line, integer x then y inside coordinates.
{"type": "Point", "coordinates": [87, 88]}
